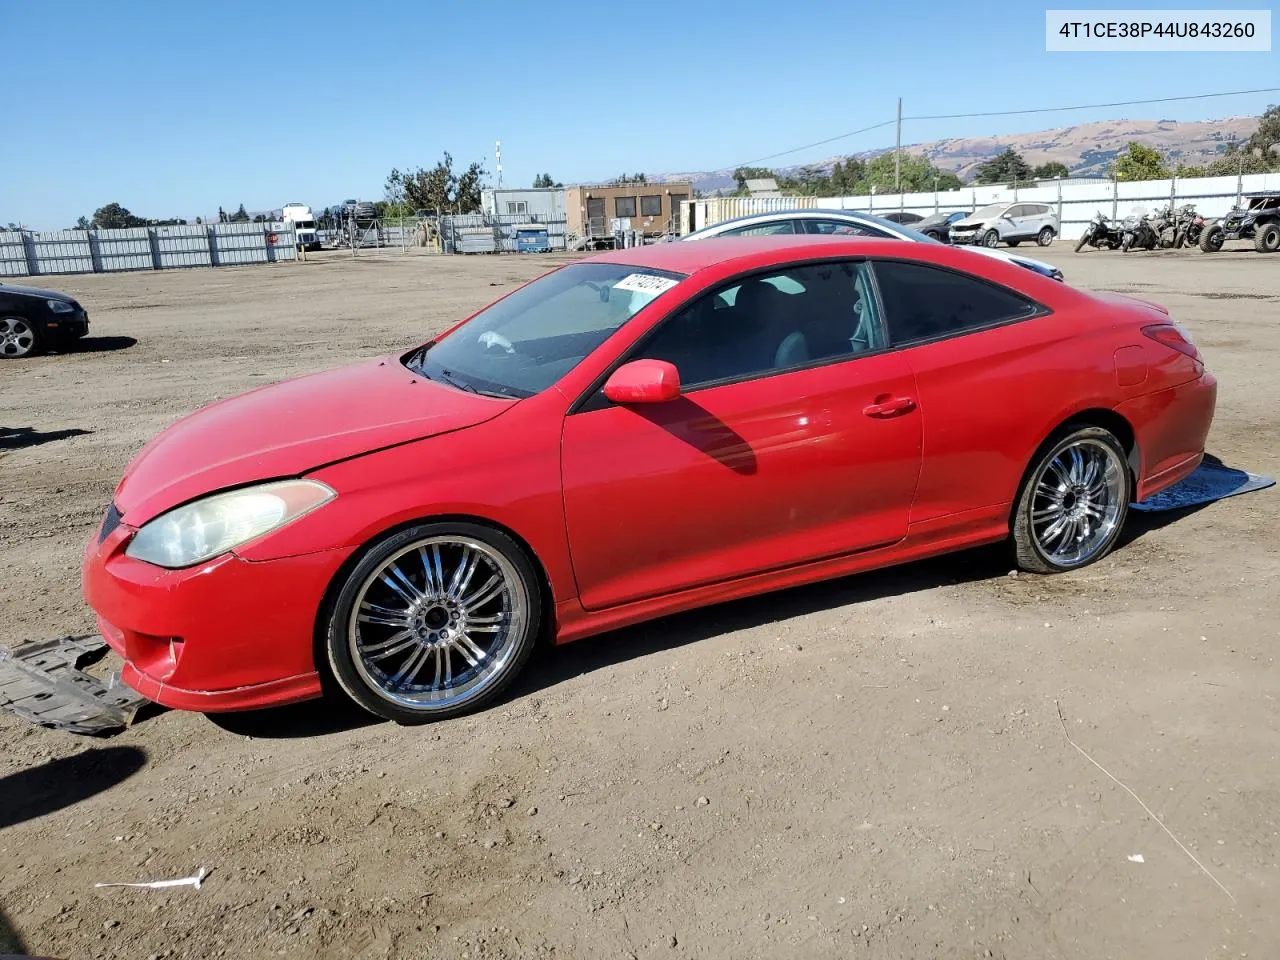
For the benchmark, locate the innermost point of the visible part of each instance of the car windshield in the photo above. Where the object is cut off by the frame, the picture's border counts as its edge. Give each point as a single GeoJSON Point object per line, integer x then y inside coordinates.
{"type": "Point", "coordinates": [994, 210]}
{"type": "Point", "coordinates": [527, 341]}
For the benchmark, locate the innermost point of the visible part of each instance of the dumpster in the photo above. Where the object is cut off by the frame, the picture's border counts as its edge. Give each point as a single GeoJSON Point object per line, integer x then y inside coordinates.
{"type": "Point", "coordinates": [532, 238]}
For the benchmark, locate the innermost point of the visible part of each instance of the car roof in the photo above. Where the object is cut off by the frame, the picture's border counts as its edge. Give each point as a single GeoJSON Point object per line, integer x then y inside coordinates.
{"type": "Point", "coordinates": [690, 258]}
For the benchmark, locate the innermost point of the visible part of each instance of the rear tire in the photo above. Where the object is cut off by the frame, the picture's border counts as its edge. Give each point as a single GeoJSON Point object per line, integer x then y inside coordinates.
{"type": "Point", "coordinates": [1045, 236]}
{"type": "Point", "coordinates": [1074, 501]}
{"type": "Point", "coordinates": [990, 238]}
{"type": "Point", "coordinates": [1211, 239]}
{"type": "Point", "coordinates": [1266, 238]}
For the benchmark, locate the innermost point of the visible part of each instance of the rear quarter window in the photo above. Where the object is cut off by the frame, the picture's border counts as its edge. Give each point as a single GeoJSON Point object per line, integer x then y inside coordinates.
{"type": "Point", "coordinates": [927, 303]}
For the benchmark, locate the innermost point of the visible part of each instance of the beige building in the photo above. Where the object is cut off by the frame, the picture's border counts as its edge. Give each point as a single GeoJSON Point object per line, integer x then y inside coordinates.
{"type": "Point", "coordinates": [645, 207]}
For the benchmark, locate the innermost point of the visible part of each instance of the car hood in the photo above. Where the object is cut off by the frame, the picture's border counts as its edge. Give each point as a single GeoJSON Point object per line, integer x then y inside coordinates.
{"type": "Point", "coordinates": [36, 292]}
{"type": "Point", "coordinates": [972, 221]}
{"type": "Point", "coordinates": [289, 428]}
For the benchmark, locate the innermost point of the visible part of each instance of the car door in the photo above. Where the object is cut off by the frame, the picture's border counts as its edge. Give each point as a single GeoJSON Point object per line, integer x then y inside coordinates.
{"type": "Point", "coordinates": [1012, 223]}
{"type": "Point", "coordinates": [990, 371]}
{"type": "Point", "coordinates": [796, 437]}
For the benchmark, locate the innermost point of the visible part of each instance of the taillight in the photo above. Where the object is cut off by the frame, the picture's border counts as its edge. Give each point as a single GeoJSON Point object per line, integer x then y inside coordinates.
{"type": "Point", "coordinates": [1173, 337]}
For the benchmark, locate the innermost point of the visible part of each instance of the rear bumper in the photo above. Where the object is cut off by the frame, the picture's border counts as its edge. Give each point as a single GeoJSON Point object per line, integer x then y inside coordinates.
{"type": "Point", "coordinates": [1172, 426]}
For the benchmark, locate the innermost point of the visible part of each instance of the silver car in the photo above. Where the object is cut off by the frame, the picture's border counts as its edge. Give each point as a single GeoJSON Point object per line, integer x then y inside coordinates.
{"type": "Point", "coordinates": [846, 222]}
{"type": "Point", "coordinates": [1009, 223]}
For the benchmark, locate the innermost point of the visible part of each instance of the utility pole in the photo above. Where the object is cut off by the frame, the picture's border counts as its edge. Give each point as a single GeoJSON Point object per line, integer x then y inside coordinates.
{"type": "Point", "coordinates": [897, 155]}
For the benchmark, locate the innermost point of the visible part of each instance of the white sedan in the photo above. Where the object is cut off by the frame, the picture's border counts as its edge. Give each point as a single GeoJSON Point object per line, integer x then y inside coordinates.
{"type": "Point", "coordinates": [848, 222]}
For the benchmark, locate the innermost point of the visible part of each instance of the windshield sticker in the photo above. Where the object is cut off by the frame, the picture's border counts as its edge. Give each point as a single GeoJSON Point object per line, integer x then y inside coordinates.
{"type": "Point", "coordinates": [645, 283]}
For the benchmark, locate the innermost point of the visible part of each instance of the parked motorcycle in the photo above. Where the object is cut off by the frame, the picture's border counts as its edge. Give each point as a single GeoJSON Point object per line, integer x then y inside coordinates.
{"type": "Point", "coordinates": [1100, 233]}
{"type": "Point", "coordinates": [1191, 228]}
{"type": "Point", "coordinates": [1165, 224]}
{"type": "Point", "coordinates": [1138, 231]}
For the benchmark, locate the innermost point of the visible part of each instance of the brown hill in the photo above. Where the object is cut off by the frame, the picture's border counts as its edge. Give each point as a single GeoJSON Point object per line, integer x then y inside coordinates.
{"type": "Point", "coordinates": [1086, 148]}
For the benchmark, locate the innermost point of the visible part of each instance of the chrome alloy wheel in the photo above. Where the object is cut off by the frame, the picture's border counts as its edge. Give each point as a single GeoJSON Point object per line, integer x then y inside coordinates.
{"type": "Point", "coordinates": [435, 624]}
{"type": "Point", "coordinates": [1079, 497]}
{"type": "Point", "coordinates": [16, 337]}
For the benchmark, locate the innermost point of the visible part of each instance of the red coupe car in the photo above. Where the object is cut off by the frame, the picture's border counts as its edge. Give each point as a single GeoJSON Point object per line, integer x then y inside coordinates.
{"type": "Point", "coordinates": [630, 435]}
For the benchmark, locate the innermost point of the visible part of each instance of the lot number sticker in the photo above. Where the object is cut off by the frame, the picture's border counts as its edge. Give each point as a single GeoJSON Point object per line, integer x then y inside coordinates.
{"type": "Point", "coordinates": [645, 283]}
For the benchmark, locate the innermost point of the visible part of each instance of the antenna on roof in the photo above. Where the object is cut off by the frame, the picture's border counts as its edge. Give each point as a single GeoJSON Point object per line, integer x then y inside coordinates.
{"type": "Point", "coordinates": [497, 153]}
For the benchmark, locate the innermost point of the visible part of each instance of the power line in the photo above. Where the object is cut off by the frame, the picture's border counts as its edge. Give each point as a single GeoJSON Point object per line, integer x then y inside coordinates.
{"type": "Point", "coordinates": [841, 136]}
{"type": "Point", "coordinates": [1090, 106]}
{"type": "Point", "coordinates": [1006, 113]}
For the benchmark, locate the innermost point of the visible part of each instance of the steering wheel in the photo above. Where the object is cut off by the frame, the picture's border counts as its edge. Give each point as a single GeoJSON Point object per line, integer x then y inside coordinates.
{"type": "Point", "coordinates": [491, 339]}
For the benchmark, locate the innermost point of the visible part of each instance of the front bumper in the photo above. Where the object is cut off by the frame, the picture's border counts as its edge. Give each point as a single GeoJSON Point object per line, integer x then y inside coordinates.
{"type": "Point", "coordinates": [968, 236]}
{"type": "Point", "coordinates": [228, 634]}
{"type": "Point", "coordinates": [67, 326]}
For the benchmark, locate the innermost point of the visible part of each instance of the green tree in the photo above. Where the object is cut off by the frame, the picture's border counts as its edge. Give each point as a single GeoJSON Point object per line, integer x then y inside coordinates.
{"type": "Point", "coordinates": [1266, 136]}
{"type": "Point", "coordinates": [1005, 167]}
{"type": "Point", "coordinates": [438, 188]}
{"type": "Point", "coordinates": [112, 216]}
{"type": "Point", "coordinates": [743, 174]}
{"type": "Point", "coordinates": [1186, 171]}
{"type": "Point", "coordinates": [222, 215]}
{"type": "Point", "coordinates": [82, 223]}
{"type": "Point", "coordinates": [1140, 163]}
{"type": "Point", "coordinates": [626, 178]}
{"type": "Point", "coordinates": [544, 181]}
{"type": "Point", "coordinates": [1239, 162]}
{"type": "Point", "coordinates": [1050, 170]}
{"type": "Point", "coordinates": [240, 216]}
{"type": "Point", "coordinates": [917, 174]}
{"type": "Point", "coordinates": [200, 221]}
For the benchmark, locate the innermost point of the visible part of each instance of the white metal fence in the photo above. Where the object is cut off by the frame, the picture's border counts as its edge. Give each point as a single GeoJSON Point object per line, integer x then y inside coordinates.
{"type": "Point", "coordinates": [1075, 203]}
{"type": "Point", "coordinates": [26, 253]}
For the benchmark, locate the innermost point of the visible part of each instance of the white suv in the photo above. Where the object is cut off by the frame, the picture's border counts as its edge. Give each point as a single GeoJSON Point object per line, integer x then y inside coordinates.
{"type": "Point", "coordinates": [1010, 223]}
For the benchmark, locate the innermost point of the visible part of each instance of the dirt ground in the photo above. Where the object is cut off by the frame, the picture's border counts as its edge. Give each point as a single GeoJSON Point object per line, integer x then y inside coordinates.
{"type": "Point", "coordinates": [869, 767]}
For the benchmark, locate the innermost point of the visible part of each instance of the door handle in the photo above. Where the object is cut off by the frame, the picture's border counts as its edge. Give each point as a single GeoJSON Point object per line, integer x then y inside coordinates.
{"type": "Point", "coordinates": [890, 407]}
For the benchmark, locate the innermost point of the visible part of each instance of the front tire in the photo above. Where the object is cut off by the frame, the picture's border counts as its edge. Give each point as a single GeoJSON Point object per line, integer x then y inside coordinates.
{"type": "Point", "coordinates": [434, 622]}
{"type": "Point", "coordinates": [1084, 238]}
{"type": "Point", "coordinates": [19, 338]}
{"type": "Point", "coordinates": [1073, 503]}
{"type": "Point", "coordinates": [1045, 236]}
{"type": "Point", "coordinates": [1266, 239]}
{"type": "Point", "coordinates": [990, 238]}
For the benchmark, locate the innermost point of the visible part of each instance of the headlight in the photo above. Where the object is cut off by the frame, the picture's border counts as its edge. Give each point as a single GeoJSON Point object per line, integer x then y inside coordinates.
{"type": "Point", "coordinates": [197, 531]}
{"type": "Point", "coordinates": [61, 306]}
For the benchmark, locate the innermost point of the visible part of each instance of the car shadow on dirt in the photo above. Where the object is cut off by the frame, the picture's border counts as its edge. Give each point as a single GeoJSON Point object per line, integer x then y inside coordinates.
{"type": "Point", "coordinates": [553, 665]}
{"type": "Point", "coordinates": [101, 344]}
{"type": "Point", "coordinates": [64, 782]}
{"type": "Point", "coordinates": [17, 438]}
{"type": "Point", "coordinates": [10, 943]}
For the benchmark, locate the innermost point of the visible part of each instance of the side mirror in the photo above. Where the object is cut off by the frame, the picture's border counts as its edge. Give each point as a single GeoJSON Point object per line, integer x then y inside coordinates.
{"type": "Point", "coordinates": [643, 381]}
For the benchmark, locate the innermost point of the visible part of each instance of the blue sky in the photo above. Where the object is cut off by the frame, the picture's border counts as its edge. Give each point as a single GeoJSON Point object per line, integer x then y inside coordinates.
{"type": "Point", "coordinates": [173, 108]}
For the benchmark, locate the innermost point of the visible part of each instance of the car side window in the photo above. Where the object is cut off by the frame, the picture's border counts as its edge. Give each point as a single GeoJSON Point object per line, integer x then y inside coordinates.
{"type": "Point", "coordinates": [1016, 211]}
{"type": "Point", "coordinates": [762, 229]}
{"type": "Point", "coordinates": [771, 322]}
{"type": "Point", "coordinates": [842, 228]}
{"type": "Point", "coordinates": [925, 303]}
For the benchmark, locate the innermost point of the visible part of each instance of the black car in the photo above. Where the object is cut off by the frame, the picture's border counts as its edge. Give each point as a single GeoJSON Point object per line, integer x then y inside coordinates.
{"type": "Point", "coordinates": [32, 320]}
{"type": "Point", "coordinates": [902, 216]}
{"type": "Point", "coordinates": [938, 226]}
